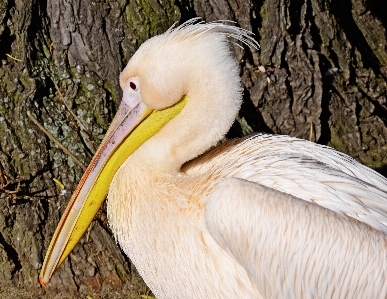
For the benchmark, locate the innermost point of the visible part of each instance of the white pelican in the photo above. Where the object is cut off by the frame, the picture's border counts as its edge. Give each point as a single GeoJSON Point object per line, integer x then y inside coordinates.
{"type": "Point", "coordinates": [260, 217]}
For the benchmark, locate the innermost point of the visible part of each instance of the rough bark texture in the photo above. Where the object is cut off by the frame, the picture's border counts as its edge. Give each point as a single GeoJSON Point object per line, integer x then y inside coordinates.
{"type": "Point", "coordinates": [321, 73]}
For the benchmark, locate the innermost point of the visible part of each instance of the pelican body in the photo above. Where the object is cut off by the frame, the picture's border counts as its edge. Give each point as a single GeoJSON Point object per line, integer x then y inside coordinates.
{"type": "Point", "coordinates": [264, 216]}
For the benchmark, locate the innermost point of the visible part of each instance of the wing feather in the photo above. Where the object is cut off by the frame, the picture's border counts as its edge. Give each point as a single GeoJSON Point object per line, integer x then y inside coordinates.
{"type": "Point", "coordinates": [295, 249]}
{"type": "Point", "coordinates": [309, 171]}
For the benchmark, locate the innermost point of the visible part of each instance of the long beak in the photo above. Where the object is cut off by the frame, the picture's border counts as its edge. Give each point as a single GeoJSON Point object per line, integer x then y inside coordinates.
{"type": "Point", "coordinates": [130, 128]}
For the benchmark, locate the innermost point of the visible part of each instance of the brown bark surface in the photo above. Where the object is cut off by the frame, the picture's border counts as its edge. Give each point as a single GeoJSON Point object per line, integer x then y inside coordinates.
{"type": "Point", "coordinates": [320, 74]}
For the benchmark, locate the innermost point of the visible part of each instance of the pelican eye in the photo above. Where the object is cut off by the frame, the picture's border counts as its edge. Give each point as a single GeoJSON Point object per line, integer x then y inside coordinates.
{"type": "Point", "coordinates": [133, 86]}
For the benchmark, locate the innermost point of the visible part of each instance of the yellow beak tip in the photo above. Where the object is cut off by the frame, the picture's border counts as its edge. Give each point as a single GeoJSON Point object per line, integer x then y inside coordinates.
{"type": "Point", "coordinates": [42, 283]}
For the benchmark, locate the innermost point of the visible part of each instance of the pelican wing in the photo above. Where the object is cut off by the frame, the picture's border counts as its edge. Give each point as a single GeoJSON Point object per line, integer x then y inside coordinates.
{"type": "Point", "coordinates": [302, 169]}
{"type": "Point", "coordinates": [279, 239]}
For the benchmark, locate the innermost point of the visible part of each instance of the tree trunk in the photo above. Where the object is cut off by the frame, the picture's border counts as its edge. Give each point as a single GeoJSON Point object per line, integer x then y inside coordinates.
{"type": "Point", "coordinates": [320, 74]}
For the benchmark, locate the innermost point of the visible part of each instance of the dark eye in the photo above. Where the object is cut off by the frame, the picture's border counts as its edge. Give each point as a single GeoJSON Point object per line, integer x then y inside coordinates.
{"type": "Point", "coordinates": [132, 86]}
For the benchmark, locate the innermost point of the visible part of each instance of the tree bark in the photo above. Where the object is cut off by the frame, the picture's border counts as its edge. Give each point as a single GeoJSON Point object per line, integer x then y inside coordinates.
{"type": "Point", "coordinates": [320, 74]}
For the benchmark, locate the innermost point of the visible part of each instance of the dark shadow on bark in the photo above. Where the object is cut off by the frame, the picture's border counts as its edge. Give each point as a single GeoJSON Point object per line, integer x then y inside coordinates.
{"type": "Point", "coordinates": [252, 115]}
{"type": "Point", "coordinates": [235, 131]}
{"type": "Point", "coordinates": [6, 38]}
{"type": "Point", "coordinates": [327, 78]}
{"type": "Point", "coordinates": [187, 10]}
{"type": "Point", "coordinates": [314, 30]}
{"type": "Point", "coordinates": [380, 110]}
{"type": "Point", "coordinates": [382, 170]}
{"type": "Point", "coordinates": [38, 26]}
{"type": "Point", "coordinates": [295, 16]}
{"type": "Point", "coordinates": [256, 19]}
{"type": "Point", "coordinates": [342, 12]}
{"type": "Point", "coordinates": [378, 8]}
{"type": "Point", "coordinates": [12, 254]}
{"type": "Point", "coordinates": [6, 41]}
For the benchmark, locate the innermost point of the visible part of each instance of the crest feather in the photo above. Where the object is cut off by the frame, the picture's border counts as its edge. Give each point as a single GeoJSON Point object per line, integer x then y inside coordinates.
{"type": "Point", "coordinates": [194, 28]}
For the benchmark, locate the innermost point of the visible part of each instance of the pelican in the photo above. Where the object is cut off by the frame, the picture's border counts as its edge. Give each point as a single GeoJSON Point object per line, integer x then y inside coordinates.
{"type": "Point", "coordinates": [264, 216]}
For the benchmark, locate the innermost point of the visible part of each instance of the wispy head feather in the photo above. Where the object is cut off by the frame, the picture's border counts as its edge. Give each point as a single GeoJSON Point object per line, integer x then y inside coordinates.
{"type": "Point", "coordinates": [194, 28]}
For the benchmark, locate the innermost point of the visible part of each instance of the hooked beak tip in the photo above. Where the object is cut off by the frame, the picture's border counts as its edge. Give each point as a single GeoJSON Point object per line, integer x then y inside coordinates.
{"type": "Point", "coordinates": [42, 282]}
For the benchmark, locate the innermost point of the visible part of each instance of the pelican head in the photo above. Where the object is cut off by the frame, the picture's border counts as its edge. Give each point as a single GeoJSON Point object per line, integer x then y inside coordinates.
{"type": "Point", "coordinates": [168, 82]}
{"type": "Point", "coordinates": [183, 62]}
